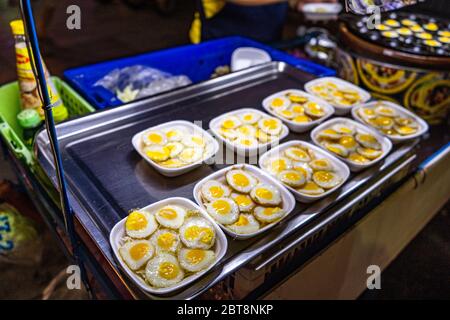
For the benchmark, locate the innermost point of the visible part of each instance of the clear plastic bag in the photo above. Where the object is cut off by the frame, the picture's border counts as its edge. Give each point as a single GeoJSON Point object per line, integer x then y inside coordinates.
{"type": "Point", "coordinates": [139, 81]}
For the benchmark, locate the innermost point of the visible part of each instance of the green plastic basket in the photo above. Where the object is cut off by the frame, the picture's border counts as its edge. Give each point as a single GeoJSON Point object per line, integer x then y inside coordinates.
{"type": "Point", "coordinates": [10, 106]}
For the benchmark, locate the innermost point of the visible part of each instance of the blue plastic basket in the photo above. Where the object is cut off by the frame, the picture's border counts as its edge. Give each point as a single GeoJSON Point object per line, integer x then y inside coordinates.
{"type": "Point", "coordinates": [197, 62]}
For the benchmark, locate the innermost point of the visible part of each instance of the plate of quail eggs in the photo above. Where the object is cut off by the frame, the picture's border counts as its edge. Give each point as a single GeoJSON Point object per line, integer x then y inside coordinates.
{"type": "Point", "coordinates": [244, 200]}
{"type": "Point", "coordinates": [167, 245]}
{"type": "Point", "coordinates": [309, 172]}
{"type": "Point", "coordinates": [354, 143]}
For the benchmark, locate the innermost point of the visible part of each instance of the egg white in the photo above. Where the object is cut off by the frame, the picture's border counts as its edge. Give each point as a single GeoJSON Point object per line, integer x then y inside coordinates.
{"type": "Point", "coordinates": [132, 224]}
{"type": "Point", "coordinates": [249, 117]}
{"type": "Point", "coordinates": [171, 216]}
{"type": "Point", "coordinates": [240, 180]}
{"type": "Point", "coordinates": [266, 194]}
{"type": "Point", "coordinates": [195, 260]}
{"type": "Point", "coordinates": [268, 214]}
{"type": "Point", "coordinates": [368, 141]}
{"type": "Point", "coordinates": [144, 250]}
{"type": "Point", "coordinates": [326, 179]}
{"type": "Point", "coordinates": [213, 189]}
{"type": "Point", "coordinates": [159, 138]}
{"type": "Point", "coordinates": [197, 233]}
{"type": "Point", "coordinates": [292, 178]}
{"type": "Point", "coordinates": [191, 155]}
{"type": "Point", "coordinates": [246, 224]}
{"type": "Point", "coordinates": [154, 276]}
{"type": "Point", "coordinates": [223, 210]}
{"type": "Point", "coordinates": [297, 154]}
{"type": "Point", "coordinates": [244, 202]}
{"type": "Point", "coordinates": [271, 125]}
{"type": "Point", "coordinates": [165, 240]}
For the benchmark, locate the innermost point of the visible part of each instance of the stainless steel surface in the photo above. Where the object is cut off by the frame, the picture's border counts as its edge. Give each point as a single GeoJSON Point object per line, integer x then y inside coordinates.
{"type": "Point", "coordinates": [107, 178]}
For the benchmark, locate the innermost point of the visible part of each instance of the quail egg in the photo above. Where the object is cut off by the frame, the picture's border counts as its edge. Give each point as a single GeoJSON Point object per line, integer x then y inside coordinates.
{"type": "Point", "coordinates": [136, 253]}
{"type": "Point", "coordinates": [368, 141]}
{"type": "Point", "coordinates": [343, 129]}
{"type": "Point", "coordinates": [277, 164]}
{"type": "Point", "coordinates": [269, 214]}
{"type": "Point", "coordinates": [245, 224]}
{"type": "Point", "coordinates": [165, 240]}
{"type": "Point", "coordinates": [369, 153]}
{"type": "Point", "coordinates": [337, 149]}
{"type": "Point", "coordinates": [265, 194]}
{"type": "Point", "coordinates": [329, 134]}
{"type": "Point", "coordinates": [297, 154]}
{"type": "Point", "coordinates": [292, 178]}
{"type": "Point", "coordinates": [311, 188]}
{"type": "Point", "coordinates": [175, 148]}
{"type": "Point", "coordinates": [157, 153]}
{"type": "Point", "coordinates": [163, 271]}
{"type": "Point", "coordinates": [191, 155]}
{"type": "Point", "coordinates": [246, 142]}
{"type": "Point", "coordinates": [326, 179]}
{"type": "Point", "coordinates": [171, 216]}
{"type": "Point", "coordinates": [154, 137]}
{"type": "Point", "coordinates": [194, 260]}
{"type": "Point", "coordinates": [231, 122]}
{"type": "Point", "coordinates": [240, 180]}
{"type": "Point", "coordinates": [322, 164]}
{"type": "Point", "coordinates": [197, 233]}
{"type": "Point", "coordinates": [304, 168]}
{"type": "Point", "coordinates": [385, 111]}
{"type": "Point", "coordinates": [280, 103]}
{"type": "Point", "coordinates": [175, 135]}
{"type": "Point", "coordinates": [249, 117]}
{"type": "Point", "coordinates": [140, 224]}
{"type": "Point", "coordinates": [212, 190]}
{"type": "Point", "coordinates": [270, 125]}
{"type": "Point", "coordinates": [223, 210]}
{"type": "Point", "coordinates": [357, 158]}
{"type": "Point", "coordinates": [244, 202]}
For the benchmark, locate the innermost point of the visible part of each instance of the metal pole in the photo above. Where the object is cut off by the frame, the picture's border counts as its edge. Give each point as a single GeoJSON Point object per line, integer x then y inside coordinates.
{"type": "Point", "coordinates": [68, 214]}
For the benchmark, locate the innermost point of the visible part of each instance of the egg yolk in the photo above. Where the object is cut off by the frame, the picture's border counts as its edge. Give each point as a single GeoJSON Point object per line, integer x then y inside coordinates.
{"type": "Point", "coordinates": [277, 102]}
{"type": "Point", "coordinates": [297, 99]}
{"type": "Point", "coordinates": [270, 123]}
{"type": "Point", "coordinates": [168, 270]}
{"type": "Point", "coordinates": [271, 211]}
{"type": "Point", "coordinates": [172, 163]}
{"type": "Point", "coordinates": [264, 193]}
{"type": "Point", "coordinates": [198, 140]}
{"type": "Point", "coordinates": [193, 232]}
{"type": "Point", "coordinates": [369, 112]}
{"type": "Point", "coordinates": [228, 124]}
{"type": "Point", "coordinates": [278, 165]}
{"type": "Point", "coordinates": [242, 221]}
{"type": "Point", "coordinates": [195, 256]}
{"type": "Point", "coordinates": [431, 26]}
{"type": "Point", "coordinates": [241, 180]}
{"type": "Point", "coordinates": [384, 121]}
{"type": "Point", "coordinates": [159, 155]}
{"type": "Point", "coordinates": [168, 213]}
{"type": "Point", "coordinates": [301, 119]}
{"type": "Point", "coordinates": [298, 109]}
{"type": "Point", "coordinates": [321, 163]}
{"type": "Point", "coordinates": [311, 186]}
{"type": "Point", "coordinates": [324, 176]}
{"type": "Point", "coordinates": [286, 113]}
{"type": "Point", "coordinates": [347, 142]}
{"type": "Point", "coordinates": [368, 138]}
{"type": "Point", "coordinates": [314, 108]}
{"type": "Point", "coordinates": [357, 158]}
{"type": "Point", "coordinates": [301, 170]}
{"type": "Point", "coordinates": [335, 149]}
{"type": "Point", "coordinates": [166, 240]}
{"type": "Point", "coordinates": [221, 207]}
{"type": "Point", "coordinates": [242, 200]}
{"type": "Point", "coordinates": [330, 132]}
{"type": "Point", "coordinates": [155, 138]}
{"type": "Point", "coordinates": [292, 176]}
{"type": "Point", "coordinates": [136, 221]}
{"type": "Point", "coordinates": [299, 153]}
{"type": "Point", "coordinates": [406, 130]}
{"type": "Point", "coordinates": [171, 134]}
{"type": "Point", "coordinates": [138, 251]}
{"type": "Point", "coordinates": [216, 191]}
{"type": "Point", "coordinates": [248, 117]}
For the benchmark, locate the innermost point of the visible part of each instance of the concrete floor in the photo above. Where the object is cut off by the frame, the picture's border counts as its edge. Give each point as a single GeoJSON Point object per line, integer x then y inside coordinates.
{"type": "Point", "coordinates": [111, 31]}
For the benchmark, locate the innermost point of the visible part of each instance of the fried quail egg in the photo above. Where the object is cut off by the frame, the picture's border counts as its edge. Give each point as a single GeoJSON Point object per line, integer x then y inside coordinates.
{"type": "Point", "coordinates": [247, 130]}
{"type": "Point", "coordinates": [212, 190]}
{"type": "Point", "coordinates": [369, 153]}
{"type": "Point", "coordinates": [245, 224]}
{"type": "Point", "coordinates": [431, 26]}
{"type": "Point", "coordinates": [444, 33]}
{"type": "Point", "coordinates": [240, 180]}
{"type": "Point", "coordinates": [246, 142]}
{"type": "Point", "coordinates": [136, 253]}
{"type": "Point", "coordinates": [244, 202]}
{"type": "Point", "coordinates": [280, 103]}
{"type": "Point", "coordinates": [194, 260]}
{"type": "Point", "coordinates": [382, 27]}
{"type": "Point", "coordinates": [298, 110]}
{"type": "Point", "coordinates": [171, 216]}
{"type": "Point", "coordinates": [266, 195]}
{"type": "Point", "coordinates": [385, 111]}
{"type": "Point", "coordinates": [445, 40]}
{"type": "Point", "coordinates": [404, 31]}
{"type": "Point", "coordinates": [262, 136]}
{"type": "Point", "coordinates": [392, 23]}
{"type": "Point", "coordinates": [157, 153]}
{"type": "Point", "coordinates": [329, 134]}
{"type": "Point", "coordinates": [343, 129]}
{"type": "Point", "coordinates": [337, 149]}
{"type": "Point", "coordinates": [175, 135]}
{"type": "Point", "coordinates": [165, 241]}
{"type": "Point", "coordinates": [140, 224]}
{"type": "Point", "coordinates": [390, 34]}
{"type": "Point", "coordinates": [367, 113]}
{"type": "Point", "coordinates": [292, 178]}
{"type": "Point", "coordinates": [348, 142]}
{"type": "Point", "coordinates": [416, 28]}
{"type": "Point", "coordinates": [172, 163]}
{"type": "Point", "coordinates": [406, 122]}
{"type": "Point", "coordinates": [302, 119]}
{"type": "Point", "coordinates": [223, 210]}
{"type": "Point", "coordinates": [269, 214]}
{"type": "Point", "coordinates": [163, 271]}
{"type": "Point", "coordinates": [191, 155]}
{"type": "Point", "coordinates": [321, 165]}
{"type": "Point", "coordinates": [286, 114]}
{"type": "Point", "coordinates": [383, 122]}
{"type": "Point", "coordinates": [229, 134]}
{"type": "Point", "coordinates": [277, 164]}
{"type": "Point", "coordinates": [432, 43]}
{"type": "Point", "coordinates": [297, 154]}
{"type": "Point", "coordinates": [194, 141]}
{"type": "Point", "coordinates": [368, 141]}
{"type": "Point", "coordinates": [296, 98]}
{"type": "Point", "coordinates": [249, 117]}
{"type": "Point", "coordinates": [357, 158]}
{"type": "Point", "coordinates": [197, 233]}
{"type": "Point", "coordinates": [175, 148]}
{"type": "Point", "coordinates": [154, 137]}
{"type": "Point", "coordinates": [311, 188]}
{"type": "Point", "coordinates": [304, 168]}
{"type": "Point", "coordinates": [406, 130]}
{"type": "Point", "coordinates": [326, 179]}
{"type": "Point", "coordinates": [231, 122]}
{"type": "Point", "coordinates": [424, 36]}
{"type": "Point", "coordinates": [408, 22]}
{"type": "Point", "coordinates": [270, 125]}
{"type": "Point", "coordinates": [315, 110]}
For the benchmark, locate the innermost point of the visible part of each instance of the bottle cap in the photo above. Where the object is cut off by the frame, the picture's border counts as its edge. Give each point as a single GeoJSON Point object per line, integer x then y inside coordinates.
{"type": "Point", "coordinates": [60, 113]}
{"type": "Point", "coordinates": [29, 118]}
{"type": "Point", "coordinates": [17, 27]}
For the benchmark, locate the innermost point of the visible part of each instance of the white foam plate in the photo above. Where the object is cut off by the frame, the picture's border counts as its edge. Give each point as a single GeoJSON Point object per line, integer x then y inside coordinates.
{"type": "Point", "coordinates": [214, 125]}
{"type": "Point", "coordinates": [118, 232]}
{"type": "Point", "coordinates": [339, 110]}
{"type": "Point", "coordinates": [288, 198]}
{"type": "Point", "coordinates": [340, 167]}
{"type": "Point", "coordinates": [402, 111]}
{"type": "Point", "coordinates": [246, 57]}
{"type": "Point", "coordinates": [294, 126]}
{"type": "Point", "coordinates": [386, 144]}
{"type": "Point", "coordinates": [187, 126]}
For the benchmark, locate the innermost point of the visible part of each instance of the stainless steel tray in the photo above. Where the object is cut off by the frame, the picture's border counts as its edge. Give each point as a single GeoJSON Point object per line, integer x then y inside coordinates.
{"type": "Point", "coordinates": [107, 177]}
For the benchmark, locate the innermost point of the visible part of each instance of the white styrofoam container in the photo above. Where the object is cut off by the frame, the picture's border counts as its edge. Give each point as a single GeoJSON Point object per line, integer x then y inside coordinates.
{"type": "Point", "coordinates": [341, 168]}
{"type": "Point", "coordinates": [402, 111]}
{"type": "Point", "coordinates": [214, 125]}
{"type": "Point", "coordinates": [339, 110]}
{"type": "Point", "coordinates": [386, 144]}
{"type": "Point", "coordinates": [186, 125]}
{"type": "Point", "coordinates": [246, 57]}
{"type": "Point", "coordinates": [118, 232]}
{"type": "Point", "coordinates": [299, 127]}
{"type": "Point", "coordinates": [287, 197]}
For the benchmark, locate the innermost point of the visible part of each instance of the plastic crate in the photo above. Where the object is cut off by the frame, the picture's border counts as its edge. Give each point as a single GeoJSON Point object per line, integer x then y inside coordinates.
{"type": "Point", "coordinates": [197, 62]}
{"type": "Point", "coordinates": [10, 106]}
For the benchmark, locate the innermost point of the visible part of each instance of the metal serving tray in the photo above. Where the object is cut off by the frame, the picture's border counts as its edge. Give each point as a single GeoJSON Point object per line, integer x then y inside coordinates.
{"type": "Point", "coordinates": [107, 177]}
